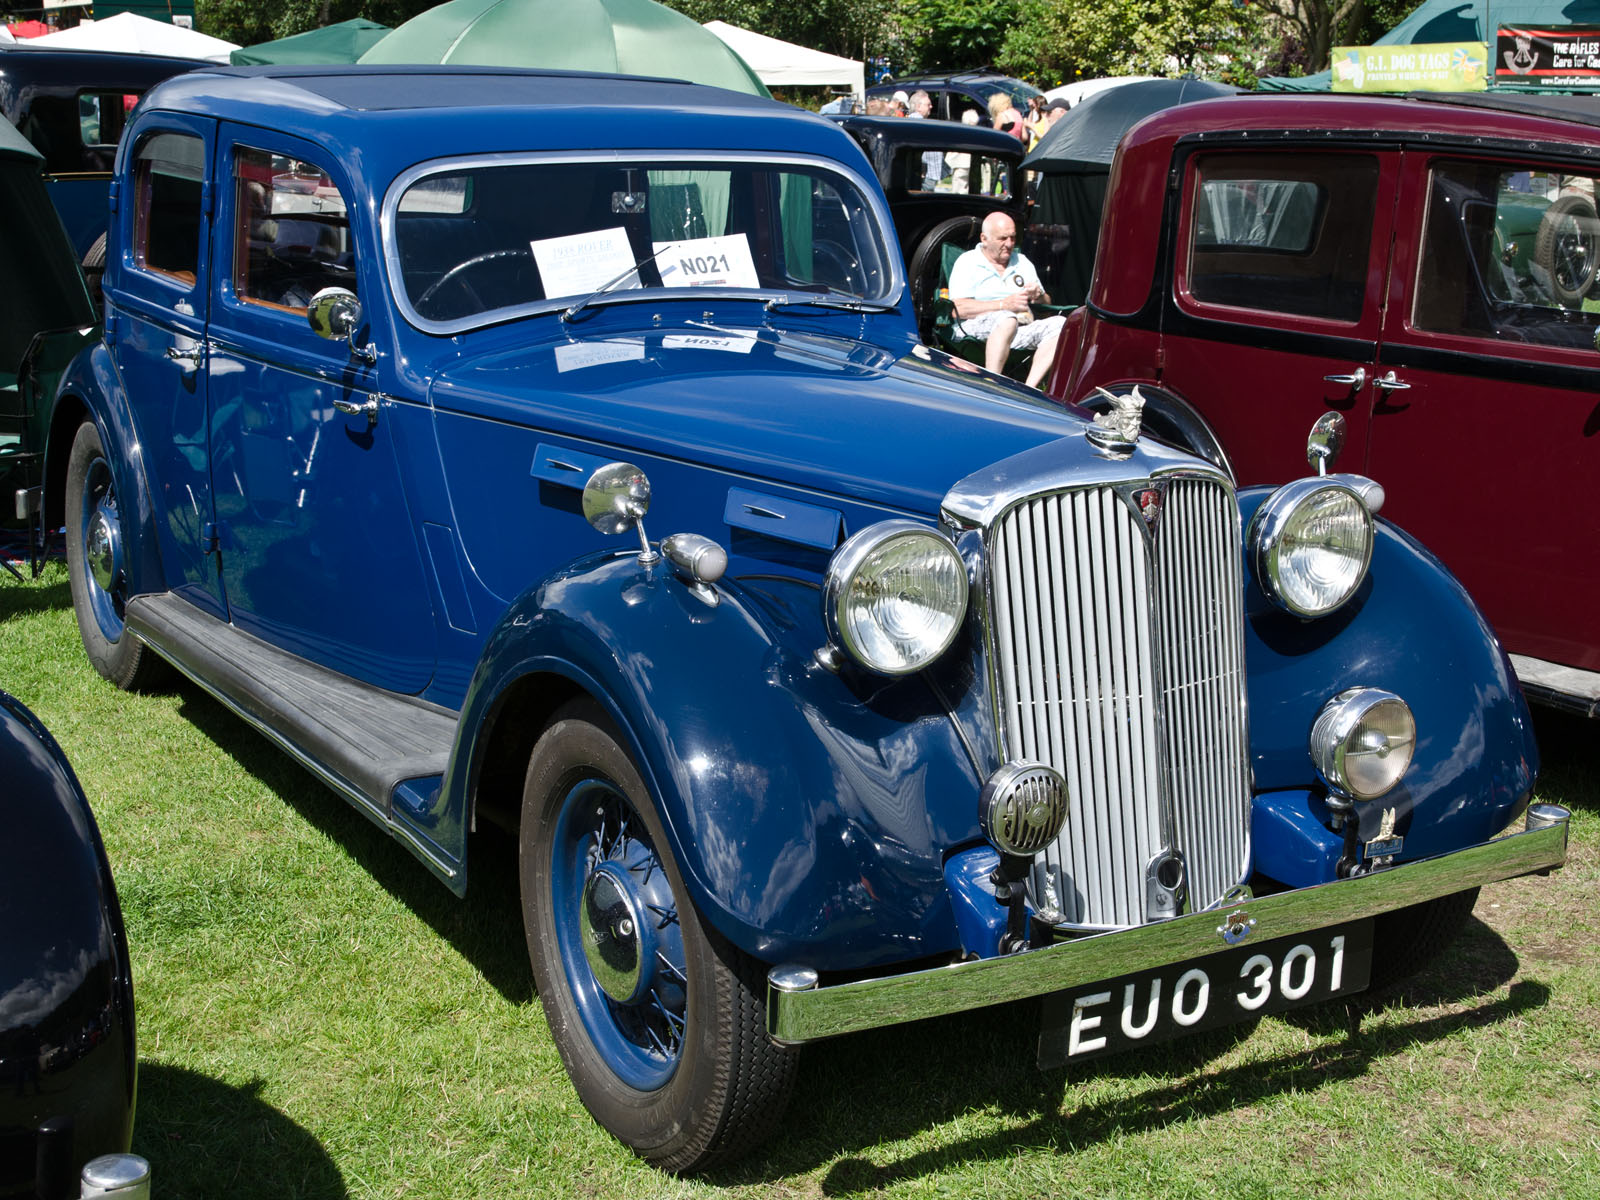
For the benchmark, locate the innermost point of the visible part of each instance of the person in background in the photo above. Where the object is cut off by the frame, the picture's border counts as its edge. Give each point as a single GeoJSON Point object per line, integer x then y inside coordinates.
{"type": "Point", "coordinates": [899, 104]}
{"type": "Point", "coordinates": [992, 287]}
{"type": "Point", "coordinates": [959, 161]}
{"type": "Point", "coordinates": [921, 105]}
{"type": "Point", "coordinates": [1005, 117]}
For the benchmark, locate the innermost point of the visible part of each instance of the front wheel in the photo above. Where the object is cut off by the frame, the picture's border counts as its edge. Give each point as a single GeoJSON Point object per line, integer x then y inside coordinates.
{"type": "Point", "coordinates": [659, 1021]}
{"type": "Point", "coordinates": [97, 568]}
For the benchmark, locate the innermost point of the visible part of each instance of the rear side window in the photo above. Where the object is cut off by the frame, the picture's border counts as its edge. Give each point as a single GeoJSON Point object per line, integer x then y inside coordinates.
{"type": "Point", "coordinates": [1283, 233]}
{"type": "Point", "coordinates": [169, 169]}
{"type": "Point", "coordinates": [1509, 254]}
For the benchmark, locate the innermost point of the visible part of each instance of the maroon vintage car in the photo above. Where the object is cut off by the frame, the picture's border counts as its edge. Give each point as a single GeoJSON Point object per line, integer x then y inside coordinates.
{"type": "Point", "coordinates": [1425, 266]}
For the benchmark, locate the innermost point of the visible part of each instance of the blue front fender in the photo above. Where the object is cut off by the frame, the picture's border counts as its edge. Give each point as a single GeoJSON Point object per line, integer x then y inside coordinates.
{"type": "Point", "coordinates": [1413, 630]}
{"type": "Point", "coordinates": [808, 812]}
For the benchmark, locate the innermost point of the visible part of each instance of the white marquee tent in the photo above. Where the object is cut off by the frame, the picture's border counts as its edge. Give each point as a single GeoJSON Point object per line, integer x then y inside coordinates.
{"type": "Point", "coordinates": [782, 64]}
{"type": "Point", "coordinates": [141, 35]}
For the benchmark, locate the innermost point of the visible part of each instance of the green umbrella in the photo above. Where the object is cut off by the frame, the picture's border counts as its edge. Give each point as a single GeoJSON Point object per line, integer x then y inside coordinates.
{"type": "Point", "coordinates": [341, 43]}
{"type": "Point", "coordinates": [630, 37]}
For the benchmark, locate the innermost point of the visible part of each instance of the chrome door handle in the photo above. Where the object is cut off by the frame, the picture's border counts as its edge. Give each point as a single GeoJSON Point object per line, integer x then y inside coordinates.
{"type": "Point", "coordinates": [192, 355]}
{"type": "Point", "coordinates": [1390, 384]}
{"type": "Point", "coordinates": [1354, 380]}
{"type": "Point", "coordinates": [357, 408]}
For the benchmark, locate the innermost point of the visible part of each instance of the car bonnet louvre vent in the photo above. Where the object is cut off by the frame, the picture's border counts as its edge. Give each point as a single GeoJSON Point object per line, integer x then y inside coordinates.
{"type": "Point", "coordinates": [1119, 661]}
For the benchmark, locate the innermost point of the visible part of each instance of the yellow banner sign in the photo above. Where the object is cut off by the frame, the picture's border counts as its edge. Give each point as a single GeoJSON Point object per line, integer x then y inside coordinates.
{"type": "Point", "coordinates": [1431, 67]}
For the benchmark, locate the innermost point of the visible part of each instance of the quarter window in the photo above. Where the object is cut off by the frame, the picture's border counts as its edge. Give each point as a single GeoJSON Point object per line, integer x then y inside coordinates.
{"type": "Point", "coordinates": [1289, 234]}
{"type": "Point", "coordinates": [291, 231]}
{"type": "Point", "coordinates": [1509, 254]}
{"type": "Point", "coordinates": [168, 174]}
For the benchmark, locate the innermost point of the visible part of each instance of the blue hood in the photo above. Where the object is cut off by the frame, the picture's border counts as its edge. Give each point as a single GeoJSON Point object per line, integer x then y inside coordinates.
{"type": "Point", "coordinates": [825, 413]}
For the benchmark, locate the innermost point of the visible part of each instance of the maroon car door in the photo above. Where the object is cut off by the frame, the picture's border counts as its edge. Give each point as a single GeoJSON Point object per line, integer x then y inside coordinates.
{"type": "Point", "coordinates": [1278, 277]}
{"type": "Point", "coordinates": [1485, 428]}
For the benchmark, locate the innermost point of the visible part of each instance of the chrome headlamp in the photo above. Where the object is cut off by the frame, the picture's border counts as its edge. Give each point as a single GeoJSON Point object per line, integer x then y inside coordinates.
{"type": "Point", "coordinates": [1362, 741]}
{"type": "Point", "coordinates": [1311, 544]}
{"type": "Point", "coordinates": [895, 596]}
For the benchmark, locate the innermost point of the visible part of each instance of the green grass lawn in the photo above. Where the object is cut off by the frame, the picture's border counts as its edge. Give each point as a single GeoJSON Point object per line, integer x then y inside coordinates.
{"type": "Point", "coordinates": [318, 1018]}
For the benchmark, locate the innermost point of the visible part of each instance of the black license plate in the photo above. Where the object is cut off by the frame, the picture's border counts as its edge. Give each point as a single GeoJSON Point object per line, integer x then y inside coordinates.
{"type": "Point", "coordinates": [1204, 993]}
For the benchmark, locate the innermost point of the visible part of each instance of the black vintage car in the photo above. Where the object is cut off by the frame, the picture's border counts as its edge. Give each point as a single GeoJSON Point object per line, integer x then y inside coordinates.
{"type": "Point", "coordinates": [72, 104]}
{"type": "Point", "coordinates": [45, 317]}
{"type": "Point", "coordinates": [941, 178]}
{"type": "Point", "coordinates": [67, 1060]}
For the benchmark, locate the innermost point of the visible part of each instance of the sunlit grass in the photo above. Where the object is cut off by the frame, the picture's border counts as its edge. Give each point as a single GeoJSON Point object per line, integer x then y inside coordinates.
{"type": "Point", "coordinates": [319, 1018]}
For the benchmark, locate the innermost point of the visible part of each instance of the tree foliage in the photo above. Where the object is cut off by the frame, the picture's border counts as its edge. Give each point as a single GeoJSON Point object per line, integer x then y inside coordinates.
{"type": "Point", "coordinates": [1054, 41]}
{"type": "Point", "coordinates": [849, 28]}
{"type": "Point", "coordinates": [249, 22]}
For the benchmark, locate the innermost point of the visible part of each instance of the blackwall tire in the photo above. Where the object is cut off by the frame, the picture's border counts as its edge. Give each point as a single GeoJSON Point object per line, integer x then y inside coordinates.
{"type": "Point", "coordinates": [680, 1069]}
{"type": "Point", "coordinates": [927, 263]}
{"type": "Point", "coordinates": [99, 602]}
{"type": "Point", "coordinates": [1568, 249]}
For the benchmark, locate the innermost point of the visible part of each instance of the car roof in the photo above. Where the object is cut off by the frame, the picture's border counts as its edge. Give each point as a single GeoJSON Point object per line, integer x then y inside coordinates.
{"type": "Point", "coordinates": [1418, 115]}
{"type": "Point", "coordinates": [937, 78]}
{"type": "Point", "coordinates": [388, 117]}
{"type": "Point", "coordinates": [24, 66]}
{"type": "Point", "coordinates": [943, 135]}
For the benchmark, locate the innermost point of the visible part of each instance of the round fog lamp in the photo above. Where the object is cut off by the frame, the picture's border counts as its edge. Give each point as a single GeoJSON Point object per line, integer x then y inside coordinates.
{"type": "Point", "coordinates": [895, 597]}
{"type": "Point", "coordinates": [1311, 543]}
{"type": "Point", "coordinates": [1362, 741]}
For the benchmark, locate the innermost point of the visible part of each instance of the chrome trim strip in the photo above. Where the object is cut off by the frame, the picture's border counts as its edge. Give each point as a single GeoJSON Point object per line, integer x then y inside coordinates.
{"type": "Point", "coordinates": [796, 1017]}
{"type": "Point", "coordinates": [870, 192]}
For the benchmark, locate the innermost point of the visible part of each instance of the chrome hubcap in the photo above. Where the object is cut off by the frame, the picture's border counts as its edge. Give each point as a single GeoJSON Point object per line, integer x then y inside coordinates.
{"type": "Point", "coordinates": [618, 937]}
{"type": "Point", "coordinates": [100, 550]}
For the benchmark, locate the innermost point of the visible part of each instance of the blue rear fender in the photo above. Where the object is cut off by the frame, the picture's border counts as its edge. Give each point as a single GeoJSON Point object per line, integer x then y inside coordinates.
{"type": "Point", "coordinates": [1413, 630]}
{"type": "Point", "coordinates": [91, 389]}
{"type": "Point", "coordinates": [808, 811]}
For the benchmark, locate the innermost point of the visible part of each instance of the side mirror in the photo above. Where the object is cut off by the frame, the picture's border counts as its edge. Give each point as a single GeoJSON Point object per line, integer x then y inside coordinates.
{"type": "Point", "coordinates": [1325, 442]}
{"type": "Point", "coordinates": [336, 313]}
{"type": "Point", "coordinates": [616, 499]}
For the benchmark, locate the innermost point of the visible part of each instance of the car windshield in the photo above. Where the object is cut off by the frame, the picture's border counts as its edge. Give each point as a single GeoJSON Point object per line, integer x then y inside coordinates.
{"type": "Point", "coordinates": [490, 239]}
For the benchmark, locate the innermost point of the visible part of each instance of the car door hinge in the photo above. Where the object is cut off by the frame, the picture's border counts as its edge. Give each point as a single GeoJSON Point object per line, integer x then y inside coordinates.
{"type": "Point", "coordinates": [206, 199]}
{"type": "Point", "coordinates": [112, 194]}
{"type": "Point", "coordinates": [113, 326]}
{"type": "Point", "coordinates": [210, 543]}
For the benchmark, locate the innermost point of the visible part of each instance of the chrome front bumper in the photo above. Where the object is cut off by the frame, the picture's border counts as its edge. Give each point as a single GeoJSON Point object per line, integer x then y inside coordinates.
{"type": "Point", "coordinates": [799, 1013]}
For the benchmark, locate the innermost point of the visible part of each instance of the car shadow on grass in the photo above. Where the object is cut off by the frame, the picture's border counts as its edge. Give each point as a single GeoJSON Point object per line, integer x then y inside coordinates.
{"type": "Point", "coordinates": [207, 1139]}
{"type": "Point", "coordinates": [868, 1090]}
{"type": "Point", "coordinates": [477, 926]}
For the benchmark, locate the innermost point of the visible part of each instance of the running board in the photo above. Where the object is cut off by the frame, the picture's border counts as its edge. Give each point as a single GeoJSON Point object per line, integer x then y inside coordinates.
{"type": "Point", "coordinates": [361, 740]}
{"type": "Point", "coordinates": [1569, 688]}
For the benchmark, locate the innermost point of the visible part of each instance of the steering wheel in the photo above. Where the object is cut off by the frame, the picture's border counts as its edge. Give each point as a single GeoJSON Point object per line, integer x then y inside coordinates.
{"type": "Point", "coordinates": [843, 272]}
{"type": "Point", "coordinates": [461, 268]}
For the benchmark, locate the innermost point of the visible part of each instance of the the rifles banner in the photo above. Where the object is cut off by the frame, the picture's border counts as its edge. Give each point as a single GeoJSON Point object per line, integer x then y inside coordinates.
{"type": "Point", "coordinates": [1563, 56]}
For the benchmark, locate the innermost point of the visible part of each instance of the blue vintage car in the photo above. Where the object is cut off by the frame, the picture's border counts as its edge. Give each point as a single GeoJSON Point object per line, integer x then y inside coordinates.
{"type": "Point", "coordinates": [931, 694]}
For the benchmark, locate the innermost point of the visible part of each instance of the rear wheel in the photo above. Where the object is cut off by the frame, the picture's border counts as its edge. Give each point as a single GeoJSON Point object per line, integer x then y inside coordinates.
{"type": "Point", "coordinates": [97, 569]}
{"type": "Point", "coordinates": [659, 1021]}
{"type": "Point", "coordinates": [1405, 941]}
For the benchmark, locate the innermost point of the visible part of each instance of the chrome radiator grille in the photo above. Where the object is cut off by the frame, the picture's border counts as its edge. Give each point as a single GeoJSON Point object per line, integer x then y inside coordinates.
{"type": "Point", "coordinates": [1120, 662]}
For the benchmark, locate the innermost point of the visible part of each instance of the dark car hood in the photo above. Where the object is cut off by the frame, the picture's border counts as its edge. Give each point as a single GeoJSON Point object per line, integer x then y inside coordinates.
{"type": "Point", "coordinates": [825, 413]}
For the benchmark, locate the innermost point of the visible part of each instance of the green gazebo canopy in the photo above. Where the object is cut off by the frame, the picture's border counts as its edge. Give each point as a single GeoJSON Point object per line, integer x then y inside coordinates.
{"type": "Point", "coordinates": [341, 43]}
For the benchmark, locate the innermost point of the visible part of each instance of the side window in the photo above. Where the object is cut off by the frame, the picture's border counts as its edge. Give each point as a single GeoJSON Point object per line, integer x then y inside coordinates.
{"type": "Point", "coordinates": [291, 231]}
{"type": "Point", "coordinates": [1509, 254]}
{"type": "Point", "coordinates": [169, 169]}
{"type": "Point", "coordinates": [1285, 233]}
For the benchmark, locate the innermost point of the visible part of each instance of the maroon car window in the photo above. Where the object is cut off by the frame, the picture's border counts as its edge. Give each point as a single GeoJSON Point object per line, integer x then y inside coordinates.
{"type": "Point", "coordinates": [1282, 233]}
{"type": "Point", "coordinates": [1509, 254]}
{"type": "Point", "coordinates": [291, 233]}
{"type": "Point", "coordinates": [167, 179]}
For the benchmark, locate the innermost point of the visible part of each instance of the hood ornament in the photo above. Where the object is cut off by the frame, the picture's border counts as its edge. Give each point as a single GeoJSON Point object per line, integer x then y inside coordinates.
{"type": "Point", "coordinates": [1117, 429]}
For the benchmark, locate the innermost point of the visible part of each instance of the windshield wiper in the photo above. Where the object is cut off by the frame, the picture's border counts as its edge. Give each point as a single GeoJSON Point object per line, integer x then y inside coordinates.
{"type": "Point", "coordinates": [867, 306]}
{"type": "Point", "coordinates": [577, 306]}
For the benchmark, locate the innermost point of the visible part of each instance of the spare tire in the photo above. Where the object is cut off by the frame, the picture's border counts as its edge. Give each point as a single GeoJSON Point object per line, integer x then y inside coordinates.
{"type": "Point", "coordinates": [1568, 248]}
{"type": "Point", "coordinates": [927, 267]}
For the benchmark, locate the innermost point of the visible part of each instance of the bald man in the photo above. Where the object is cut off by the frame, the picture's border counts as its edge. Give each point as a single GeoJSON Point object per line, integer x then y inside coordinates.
{"type": "Point", "coordinates": [992, 287]}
